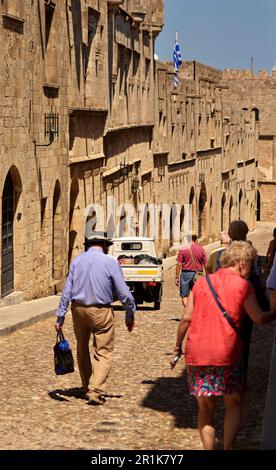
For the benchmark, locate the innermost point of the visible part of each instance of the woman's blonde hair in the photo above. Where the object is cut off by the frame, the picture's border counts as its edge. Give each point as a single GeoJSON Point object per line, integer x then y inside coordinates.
{"type": "Point", "coordinates": [238, 251]}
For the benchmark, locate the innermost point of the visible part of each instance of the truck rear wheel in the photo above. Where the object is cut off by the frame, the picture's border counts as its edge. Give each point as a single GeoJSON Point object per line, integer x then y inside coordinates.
{"type": "Point", "coordinates": [157, 305]}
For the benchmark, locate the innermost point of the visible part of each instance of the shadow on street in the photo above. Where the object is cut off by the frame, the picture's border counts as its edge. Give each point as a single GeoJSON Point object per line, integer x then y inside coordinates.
{"type": "Point", "coordinates": [170, 395]}
{"type": "Point", "coordinates": [59, 394]}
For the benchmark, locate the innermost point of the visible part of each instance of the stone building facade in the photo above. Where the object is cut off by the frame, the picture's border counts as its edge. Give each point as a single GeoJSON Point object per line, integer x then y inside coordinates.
{"type": "Point", "coordinates": [34, 175]}
{"type": "Point", "coordinates": [257, 93]}
{"type": "Point", "coordinates": [209, 150]}
{"type": "Point", "coordinates": [90, 125]}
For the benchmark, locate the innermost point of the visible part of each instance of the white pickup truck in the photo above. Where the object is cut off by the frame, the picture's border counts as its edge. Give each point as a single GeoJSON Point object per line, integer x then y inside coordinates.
{"type": "Point", "coordinates": [143, 272]}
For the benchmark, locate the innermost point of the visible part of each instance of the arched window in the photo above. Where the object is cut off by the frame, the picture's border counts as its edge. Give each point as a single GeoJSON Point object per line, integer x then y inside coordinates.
{"type": "Point", "coordinates": [257, 114]}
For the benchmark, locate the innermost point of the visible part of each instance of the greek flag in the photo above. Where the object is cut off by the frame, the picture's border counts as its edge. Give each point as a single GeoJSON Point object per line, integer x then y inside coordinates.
{"type": "Point", "coordinates": [176, 62]}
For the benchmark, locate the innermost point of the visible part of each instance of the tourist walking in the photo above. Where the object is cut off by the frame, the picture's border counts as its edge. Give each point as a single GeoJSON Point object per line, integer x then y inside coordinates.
{"type": "Point", "coordinates": [213, 353]}
{"type": "Point", "coordinates": [238, 230]}
{"type": "Point", "coordinates": [271, 285]}
{"type": "Point", "coordinates": [93, 282]}
{"type": "Point", "coordinates": [270, 254]}
{"type": "Point", "coordinates": [191, 259]}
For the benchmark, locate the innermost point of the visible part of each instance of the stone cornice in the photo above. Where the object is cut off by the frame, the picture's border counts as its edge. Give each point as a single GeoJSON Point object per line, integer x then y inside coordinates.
{"type": "Point", "coordinates": [266, 182]}
{"type": "Point", "coordinates": [210, 151]}
{"type": "Point", "coordinates": [159, 153]}
{"type": "Point", "coordinates": [249, 161]}
{"type": "Point", "coordinates": [175, 166]}
{"type": "Point", "coordinates": [83, 110]}
{"type": "Point", "coordinates": [128, 127]}
{"type": "Point", "coordinates": [146, 172]}
{"type": "Point", "coordinates": [85, 158]}
{"type": "Point", "coordinates": [13, 18]}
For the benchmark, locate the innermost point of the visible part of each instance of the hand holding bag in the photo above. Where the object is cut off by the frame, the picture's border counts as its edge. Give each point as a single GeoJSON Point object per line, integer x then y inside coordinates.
{"type": "Point", "coordinates": [63, 357]}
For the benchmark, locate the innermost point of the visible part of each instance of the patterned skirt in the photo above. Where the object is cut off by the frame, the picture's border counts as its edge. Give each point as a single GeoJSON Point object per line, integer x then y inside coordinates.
{"type": "Point", "coordinates": [216, 380]}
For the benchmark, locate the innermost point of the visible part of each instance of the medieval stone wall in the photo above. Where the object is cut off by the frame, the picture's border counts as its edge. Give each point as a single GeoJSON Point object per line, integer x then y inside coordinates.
{"type": "Point", "coordinates": [16, 147]}
{"type": "Point", "coordinates": [210, 151]}
{"type": "Point", "coordinates": [33, 86]}
{"type": "Point", "coordinates": [257, 93]}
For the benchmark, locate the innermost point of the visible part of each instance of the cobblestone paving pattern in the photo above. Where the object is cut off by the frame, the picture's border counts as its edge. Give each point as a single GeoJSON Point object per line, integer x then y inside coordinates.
{"type": "Point", "coordinates": [40, 410]}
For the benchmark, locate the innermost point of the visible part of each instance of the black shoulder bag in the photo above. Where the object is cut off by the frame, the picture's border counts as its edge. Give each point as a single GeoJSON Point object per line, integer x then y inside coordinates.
{"type": "Point", "coordinates": [223, 311]}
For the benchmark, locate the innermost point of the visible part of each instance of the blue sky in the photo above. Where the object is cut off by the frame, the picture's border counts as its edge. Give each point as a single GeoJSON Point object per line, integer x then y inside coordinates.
{"type": "Point", "coordinates": [221, 33]}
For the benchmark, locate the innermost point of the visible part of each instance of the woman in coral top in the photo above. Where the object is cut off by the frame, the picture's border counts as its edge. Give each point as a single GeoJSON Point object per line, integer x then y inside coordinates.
{"type": "Point", "coordinates": [213, 351]}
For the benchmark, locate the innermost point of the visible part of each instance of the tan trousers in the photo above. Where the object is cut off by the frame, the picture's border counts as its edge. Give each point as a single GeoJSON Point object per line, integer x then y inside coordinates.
{"type": "Point", "coordinates": [99, 322]}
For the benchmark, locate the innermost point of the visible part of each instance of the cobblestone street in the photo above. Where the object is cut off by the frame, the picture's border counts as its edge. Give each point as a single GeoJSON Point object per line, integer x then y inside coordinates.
{"type": "Point", "coordinates": [39, 410]}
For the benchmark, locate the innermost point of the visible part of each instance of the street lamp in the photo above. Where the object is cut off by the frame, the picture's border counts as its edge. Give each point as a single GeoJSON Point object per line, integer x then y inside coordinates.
{"type": "Point", "coordinates": [124, 168]}
{"type": "Point", "coordinates": [135, 183]}
{"type": "Point", "coordinates": [252, 185]}
{"type": "Point", "coordinates": [51, 128]}
{"type": "Point", "coordinates": [161, 172]}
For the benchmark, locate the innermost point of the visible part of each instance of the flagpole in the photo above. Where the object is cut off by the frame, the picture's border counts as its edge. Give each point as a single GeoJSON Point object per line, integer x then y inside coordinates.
{"type": "Point", "coordinates": [176, 36]}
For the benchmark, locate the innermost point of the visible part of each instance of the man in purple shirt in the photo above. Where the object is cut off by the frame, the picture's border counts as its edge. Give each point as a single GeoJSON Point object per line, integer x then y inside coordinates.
{"type": "Point", "coordinates": [94, 281]}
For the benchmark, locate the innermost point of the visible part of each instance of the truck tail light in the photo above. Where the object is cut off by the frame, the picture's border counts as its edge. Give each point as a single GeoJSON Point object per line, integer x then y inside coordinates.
{"type": "Point", "coordinates": [125, 261]}
{"type": "Point", "coordinates": [152, 284]}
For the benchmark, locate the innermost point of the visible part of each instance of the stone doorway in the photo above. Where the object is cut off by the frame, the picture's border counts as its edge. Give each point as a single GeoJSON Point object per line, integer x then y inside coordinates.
{"type": "Point", "coordinates": [258, 211]}
{"type": "Point", "coordinates": [223, 213]}
{"type": "Point", "coordinates": [240, 208]}
{"type": "Point", "coordinates": [57, 231]}
{"type": "Point", "coordinates": [183, 232]}
{"type": "Point", "coordinates": [192, 209]}
{"type": "Point", "coordinates": [74, 216]}
{"type": "Point", "coordinates": [202, 212]}
{"type": "Point", "coordinates": [174, 237]}
{"type": "Point", "coordinates": [7, 277]}
{"type": "Point", "coordinates": [230, 210]}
